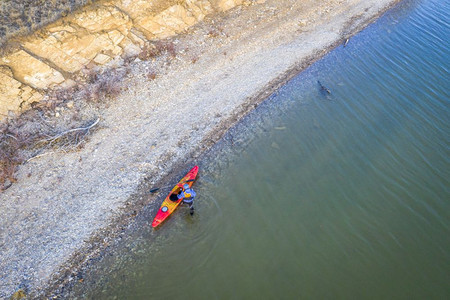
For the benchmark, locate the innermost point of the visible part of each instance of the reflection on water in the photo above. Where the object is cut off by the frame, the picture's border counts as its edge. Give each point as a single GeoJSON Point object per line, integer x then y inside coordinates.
{"type": "Point", "coordinates": [317, 195]}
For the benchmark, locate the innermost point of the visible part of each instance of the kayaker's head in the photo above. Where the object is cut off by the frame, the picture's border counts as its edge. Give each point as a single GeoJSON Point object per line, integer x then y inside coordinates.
{"type": "Point", "coordinates": [185, 186]}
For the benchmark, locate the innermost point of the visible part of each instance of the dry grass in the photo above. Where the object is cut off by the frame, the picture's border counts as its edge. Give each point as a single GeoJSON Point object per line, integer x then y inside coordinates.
{"type": "Point", "coordinates": [195, 59]}
{"type": "Point", "coordinates": [151, 75]}
{"type": "Point", "coordinates": [101, 86]}
{"type": "Point", "coordinates": [12, 141]}
{"type": "Point", "coordinates": [167, 46]}
{"type": "Point", "coordinates": [216, 31]}
{"type": "Point", "coordinates": [27, 137]}
{"type": "Point", "coordinates": [24, 16]}
{"type": "Point", "coordinates": [68, 139]}
{"type": "Point", "coordinates": [9, 158]}
{"type": "Point", "coordinates": [40, 130]}
{"type": "Point", "coordinates": [149, 51]}
{"type": "Point", "coordinates": [153, 50]}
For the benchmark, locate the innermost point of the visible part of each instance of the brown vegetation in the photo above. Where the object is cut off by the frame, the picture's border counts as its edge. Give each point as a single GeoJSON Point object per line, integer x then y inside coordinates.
{"type": "Point", "coordinates": [26, 138]}
{"type": "Point", "coordinates": [24, 16]}
{"type": "Point", "coordinates": [36, 131]}
{"type": "Point", "coordinates": [152, 50]}
{"type": "Point", "coordinates": [151, 75]}
{"type": "Point", "coordinates": [100, 86]}
{"type": "Point", "coordinates": [9, 157]}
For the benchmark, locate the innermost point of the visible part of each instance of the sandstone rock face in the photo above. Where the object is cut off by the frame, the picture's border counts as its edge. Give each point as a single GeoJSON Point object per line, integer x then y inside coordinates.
{"type": "Point", "coordinates": [228, 4]}
{"type": "Point", "coordinates": [95, 35]}
{"type": "Point", "coordinates": [14, 96]}
{"type": "Point", "coordinates": [32, 71]}
{"type": "Point", "coordinates": [86, 35]}
{"type": "Point", "coordinates": [162, 19]}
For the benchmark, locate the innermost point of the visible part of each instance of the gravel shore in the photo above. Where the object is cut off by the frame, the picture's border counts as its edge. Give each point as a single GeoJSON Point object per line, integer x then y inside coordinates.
{"type": "Point", "coordinates": [66, 205]}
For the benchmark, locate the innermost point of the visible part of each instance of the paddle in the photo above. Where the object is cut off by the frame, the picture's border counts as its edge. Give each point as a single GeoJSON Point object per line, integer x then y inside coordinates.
{"type": "Point", "coordinates": [154, 190]}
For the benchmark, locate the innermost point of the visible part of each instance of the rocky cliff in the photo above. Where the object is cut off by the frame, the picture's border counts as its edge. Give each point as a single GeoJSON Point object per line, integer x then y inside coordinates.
{"type": "Point", "coordinates": [103, 34]}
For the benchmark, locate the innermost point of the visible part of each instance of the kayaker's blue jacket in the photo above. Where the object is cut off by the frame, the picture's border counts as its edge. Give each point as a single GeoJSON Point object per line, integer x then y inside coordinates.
{"type": "Point", "coordinates": [188, 195]}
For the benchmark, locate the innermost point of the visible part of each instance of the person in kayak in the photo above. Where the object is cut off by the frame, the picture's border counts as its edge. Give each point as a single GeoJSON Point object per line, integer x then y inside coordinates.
{"type": "Point", "coordinates": [188, 196]}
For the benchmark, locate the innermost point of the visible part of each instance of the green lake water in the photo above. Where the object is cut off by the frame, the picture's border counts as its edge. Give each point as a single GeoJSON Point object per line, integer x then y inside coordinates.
{"type": "Point", "coordinates": [316, 195]}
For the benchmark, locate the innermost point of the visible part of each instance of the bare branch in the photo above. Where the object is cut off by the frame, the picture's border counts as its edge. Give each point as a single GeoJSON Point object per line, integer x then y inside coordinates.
{"type": "Point", "coordinates": [54, 138]}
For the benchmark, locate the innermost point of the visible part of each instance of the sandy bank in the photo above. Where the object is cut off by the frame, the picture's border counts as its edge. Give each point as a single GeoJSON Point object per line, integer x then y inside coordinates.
{"type": "Point", "coordinates": [61, 207]}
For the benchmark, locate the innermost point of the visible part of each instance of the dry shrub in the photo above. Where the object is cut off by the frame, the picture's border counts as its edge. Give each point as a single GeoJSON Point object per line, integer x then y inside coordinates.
{"type": "Point", "coordinates": [46, 105]}
{"type": "Point", "coordinates": [55, 98]}
{"type": "Point", "coordinates": [23, 16]}
{"type": "Point", "coordinates": [148, 52]}
{"type": "Point", "coordinates": [213, 33]}
{"type": "Point", "coordinates": [8, 163]}
{"type": "Point", "coordinates": [11, 142]}
{"type": "Point", "coordinates": [100, 86]}
{"type": "Point", "coordinates": [40, 129]}
{"type": "Point", "coordinates": [217, 31]}
{"type": "Point", "coordinates": [167, 46]}
{"type": "Point", "coordinates": [195, 59]}
{"type": "Point", "coordinates": [25, 137]}
{"type": "Point", "coordinates": [153, 50]}
{"type": "Point", "coordinates": [151, 75]}
{"type": "Point", "coordinates": [72, 139]}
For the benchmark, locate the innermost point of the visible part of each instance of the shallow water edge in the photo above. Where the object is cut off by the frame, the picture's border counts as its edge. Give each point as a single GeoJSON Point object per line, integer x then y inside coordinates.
{"type": "Point", "coordinates": [104, 241]}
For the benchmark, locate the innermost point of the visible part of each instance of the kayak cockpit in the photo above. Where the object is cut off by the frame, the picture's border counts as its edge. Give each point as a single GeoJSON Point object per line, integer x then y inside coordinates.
{"type": "Point", "coordinates": [173, 197]}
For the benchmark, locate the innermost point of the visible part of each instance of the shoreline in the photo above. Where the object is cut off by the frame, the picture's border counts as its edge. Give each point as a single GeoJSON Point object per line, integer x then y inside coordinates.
{"type": "Point", "coordinates": [200, 138]}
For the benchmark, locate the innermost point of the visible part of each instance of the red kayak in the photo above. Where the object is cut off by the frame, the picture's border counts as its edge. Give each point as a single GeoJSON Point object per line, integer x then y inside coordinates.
{"type": "Point", "coordinates": [171, 202]}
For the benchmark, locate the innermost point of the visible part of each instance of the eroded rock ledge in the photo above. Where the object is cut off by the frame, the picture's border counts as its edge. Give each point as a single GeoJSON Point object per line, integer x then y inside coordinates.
{"type": "Point", "coordinates": [100, 35]}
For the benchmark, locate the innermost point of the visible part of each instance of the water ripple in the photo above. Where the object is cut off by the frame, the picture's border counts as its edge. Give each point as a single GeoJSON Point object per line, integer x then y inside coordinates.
{"type": "Point", "coordinates": [348, 191]}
